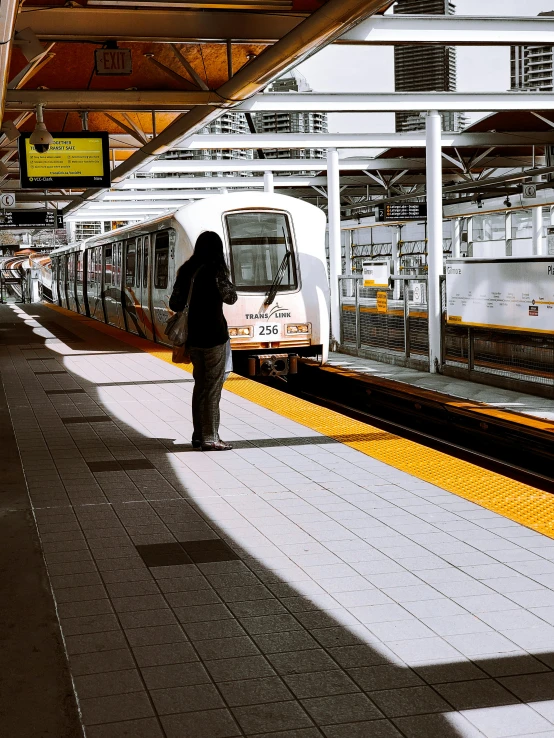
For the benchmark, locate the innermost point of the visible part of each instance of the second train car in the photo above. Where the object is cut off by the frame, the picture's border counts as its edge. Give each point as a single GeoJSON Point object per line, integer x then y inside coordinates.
{"type": "Point", "coordinates": [275, 246]}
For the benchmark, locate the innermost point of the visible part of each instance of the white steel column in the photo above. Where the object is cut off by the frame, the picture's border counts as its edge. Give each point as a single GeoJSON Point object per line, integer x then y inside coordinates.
{"type": "Point", "coordinates": [456, 224]}
{"type": "Point", "coordinates": [538, 239]}
{"type": "Point", "coordinates": [395, 253]}
{"type": "Point", "coordinates": [434, 236]}
{"type": "Point", "coordinates": [508, 232]}
{"type": "Point", "coordinates": [335, 256]}
{"type": "Point", "coordinates": [269, 184]}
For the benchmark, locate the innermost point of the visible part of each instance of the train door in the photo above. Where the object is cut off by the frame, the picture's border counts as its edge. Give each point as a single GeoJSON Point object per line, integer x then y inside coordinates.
{"type": "Point", "coordinates": [80, 286]}
{"type": "Point", "coordinates": [71, 299]}
{"type": "Point", "coordinates": [160, 285]}
{"type": "Point", "coordinates": [118, 287]}
{"type": "Point", "coordinates": [55, 286]}
{"type": "Point", "coordinates": [130, 289]}
{"type": "Point", "coordinates": [144, 311]}
{"type": "Point", "coordinates": [94, 283]}
{"type": "Point", "coordinates": [110, 291]}
{"type": "Point", "coordinates": [64, 281]}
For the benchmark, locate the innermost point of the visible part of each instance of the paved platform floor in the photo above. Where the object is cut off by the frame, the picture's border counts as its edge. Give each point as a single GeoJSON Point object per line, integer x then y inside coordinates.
{"type": "Point", "coordinates": [291, 588]}
{"type": "Point", "coordinates": [504, 399]}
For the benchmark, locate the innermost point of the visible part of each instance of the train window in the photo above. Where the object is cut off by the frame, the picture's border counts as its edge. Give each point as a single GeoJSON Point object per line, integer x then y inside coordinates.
{"type": "Point", "coordinates": [259, 244]}
{"type": "Point", "coordinates": [71, 268]}
{"type": "Point", "coordinates": [130, 264]}
{"type": "Point", "coordinates": [108, 266]}
{"type": "Point", "coordinates": [161, 261]}
{"type": "Point", "coordinates": [80, 268]}
{"type": "Point", "coordinates": [145, 261]}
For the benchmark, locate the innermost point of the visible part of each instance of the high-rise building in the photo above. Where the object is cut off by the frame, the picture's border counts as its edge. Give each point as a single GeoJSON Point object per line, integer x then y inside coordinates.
{"type": "Point", "coordinates": [425, 68]}
{"type": "Point", "coordinates": [227, 123]}
{"type": "Point", "coordinates": [293, 122]}
{"type": "Point", "coordinates": [532, 67]}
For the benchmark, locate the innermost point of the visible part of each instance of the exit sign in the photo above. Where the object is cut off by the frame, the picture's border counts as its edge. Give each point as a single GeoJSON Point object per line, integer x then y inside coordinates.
{"type": "Point", "coordinates": [113, 61]}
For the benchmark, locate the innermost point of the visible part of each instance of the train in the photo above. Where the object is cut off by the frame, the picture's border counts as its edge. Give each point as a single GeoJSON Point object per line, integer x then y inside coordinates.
{"type": "Point", "coordinates": [275, 247]}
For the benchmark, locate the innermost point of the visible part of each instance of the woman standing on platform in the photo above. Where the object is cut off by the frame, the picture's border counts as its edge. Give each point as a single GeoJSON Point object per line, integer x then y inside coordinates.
{"type": "Point", "coordinates": [208, 335]}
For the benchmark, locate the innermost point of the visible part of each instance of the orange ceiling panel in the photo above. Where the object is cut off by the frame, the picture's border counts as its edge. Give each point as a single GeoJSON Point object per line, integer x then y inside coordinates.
{"type": "Point", "coordinates": [72, 67]}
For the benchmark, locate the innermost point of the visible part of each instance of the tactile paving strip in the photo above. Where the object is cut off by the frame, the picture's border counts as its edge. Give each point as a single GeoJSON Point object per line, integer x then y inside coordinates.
{"type": "Point", "coordinates": [519, 502]}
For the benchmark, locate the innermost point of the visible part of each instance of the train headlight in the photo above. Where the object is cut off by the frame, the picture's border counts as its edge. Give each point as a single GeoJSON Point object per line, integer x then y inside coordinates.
{"type": "Point", "coordinates": [296, 328]}
{"type": "Point", "coordinates": [243, 331]}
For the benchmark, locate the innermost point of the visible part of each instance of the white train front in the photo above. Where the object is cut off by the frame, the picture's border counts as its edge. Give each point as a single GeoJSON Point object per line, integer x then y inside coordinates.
{"type": "Point", "coordinates": [275, 246]}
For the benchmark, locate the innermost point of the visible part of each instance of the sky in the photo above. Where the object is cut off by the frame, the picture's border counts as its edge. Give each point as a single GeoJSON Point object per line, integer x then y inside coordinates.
{"type": "Point", "coordinates": [367, 69]}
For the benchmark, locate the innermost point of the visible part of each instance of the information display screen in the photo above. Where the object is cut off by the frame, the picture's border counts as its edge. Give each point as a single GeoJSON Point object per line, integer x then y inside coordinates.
{"type": "Point", "coordinates": [10, 219]}
{"type": "Point", "coordinates": [400, 211]}
{"type": "Point", "coordinates": [73, 160]}
{"type": "Point", "coordinates": [511, 294]}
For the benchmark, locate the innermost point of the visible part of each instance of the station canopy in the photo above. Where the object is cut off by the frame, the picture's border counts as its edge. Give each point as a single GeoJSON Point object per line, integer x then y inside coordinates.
{"type": "Point", "coordinates": [153, 73]}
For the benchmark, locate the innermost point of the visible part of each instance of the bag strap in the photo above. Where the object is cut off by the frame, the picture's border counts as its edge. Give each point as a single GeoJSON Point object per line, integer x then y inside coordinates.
{"type": "Point", "coordinates": [189, 296]}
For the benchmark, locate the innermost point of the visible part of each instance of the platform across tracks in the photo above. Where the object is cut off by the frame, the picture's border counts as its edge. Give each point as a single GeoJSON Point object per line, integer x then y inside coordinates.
{"type": "Point", "coordinates": [325, 578]}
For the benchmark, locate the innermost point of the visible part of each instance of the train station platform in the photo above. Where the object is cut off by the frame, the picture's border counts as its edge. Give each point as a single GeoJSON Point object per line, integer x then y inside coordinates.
{"type": "Point", "coordinates": [325, 579]}
{"type": "Point", "coordinates": [503, 399]}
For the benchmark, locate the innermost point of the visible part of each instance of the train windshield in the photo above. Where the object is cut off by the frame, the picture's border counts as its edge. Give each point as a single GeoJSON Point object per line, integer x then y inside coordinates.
{"type": "Point", "coordinates": [260, 244]}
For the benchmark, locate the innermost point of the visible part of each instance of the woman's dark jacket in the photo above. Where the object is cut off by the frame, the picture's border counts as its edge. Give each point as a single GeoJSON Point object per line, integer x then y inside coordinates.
{"type": "Point", "coordinates": [207, 325]}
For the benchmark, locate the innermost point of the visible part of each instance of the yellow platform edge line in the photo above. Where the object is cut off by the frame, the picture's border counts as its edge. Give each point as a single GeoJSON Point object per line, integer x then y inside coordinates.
{"type": "Point", "coordinates": [514, 500]}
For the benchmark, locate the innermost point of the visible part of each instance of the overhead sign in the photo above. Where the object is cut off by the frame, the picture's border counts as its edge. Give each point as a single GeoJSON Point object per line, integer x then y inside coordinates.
{"type": "Point", "coordinates": [512, 294]}
{"type": "Point", "coordinates": [10, 219]}
{"type": "Point", "coordinates": [73, 160]}
{"type": "Point", "coordinates": [399, 211]}
{"type": "Point", "coordinates": [7, 200]}
{"type": "Point", "coordinates": [113, 61]}
{"type": "Point", "coordinates": [376, 273]}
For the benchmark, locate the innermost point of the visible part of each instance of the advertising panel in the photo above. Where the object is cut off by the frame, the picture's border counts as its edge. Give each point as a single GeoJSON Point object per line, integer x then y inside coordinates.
{"type": "Point", "coordinates": [73, 160]}
{"type": "Point", "coordinates": [376, 273]}
{"type": "Point", "coordinates": [511, 294]}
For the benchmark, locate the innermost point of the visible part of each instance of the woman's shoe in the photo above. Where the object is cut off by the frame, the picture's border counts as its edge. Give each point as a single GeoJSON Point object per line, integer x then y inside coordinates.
{"type": "Point", "coordinates": [196, 444]}
{"type": "Point", "coordinates": [217, 446]}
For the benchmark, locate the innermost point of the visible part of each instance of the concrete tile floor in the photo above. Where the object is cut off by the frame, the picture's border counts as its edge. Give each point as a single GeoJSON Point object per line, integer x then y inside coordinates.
{"type": "Point", "coordinates": [361, 602]}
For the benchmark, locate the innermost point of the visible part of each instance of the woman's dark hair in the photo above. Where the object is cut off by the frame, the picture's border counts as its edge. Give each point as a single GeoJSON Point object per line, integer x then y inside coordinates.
{"type": "Point", "coordinates": [208, 251]}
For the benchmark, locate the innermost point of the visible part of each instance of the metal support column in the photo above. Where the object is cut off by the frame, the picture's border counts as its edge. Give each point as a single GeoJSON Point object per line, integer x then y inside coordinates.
{"type": "Point", "coordinates": [508, 232]}
{"type": "Point", "coordinates": [538, 238]}
{"type": "Point", "coordinates": [335, 256]}
{"type": "Point", "coordinates": [435, 236]}
{"type": "Point", "coordinates": [395, 254]}
{"type": "Point", "coordinates": [269, 184]}
{"type": "Point", "coordinates": [456, 224]}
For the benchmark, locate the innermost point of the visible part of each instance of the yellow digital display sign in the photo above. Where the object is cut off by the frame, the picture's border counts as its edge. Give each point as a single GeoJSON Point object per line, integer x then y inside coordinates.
{"type": "Point", "coordinates": [73, 160]}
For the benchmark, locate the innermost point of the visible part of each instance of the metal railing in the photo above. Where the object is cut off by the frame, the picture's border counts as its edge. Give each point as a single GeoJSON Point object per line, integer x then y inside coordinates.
{"type": "Point", "coordinates": [380, 322]}
{"type": "Point", "coordinates": [16, 285]}
{"type": "Point", "coordinates": [390, 324]}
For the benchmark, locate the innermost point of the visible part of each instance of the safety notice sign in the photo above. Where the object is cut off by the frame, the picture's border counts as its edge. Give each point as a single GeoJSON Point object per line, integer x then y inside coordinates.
{"type": "Point", "coordinates": [73, 160]}
{"type": "Point", "coordinates": [511, 294]}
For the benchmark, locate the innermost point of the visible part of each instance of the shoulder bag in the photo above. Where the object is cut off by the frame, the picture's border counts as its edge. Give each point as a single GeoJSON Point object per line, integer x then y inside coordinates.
{"type": "Point", "coordinates": [177, 329]}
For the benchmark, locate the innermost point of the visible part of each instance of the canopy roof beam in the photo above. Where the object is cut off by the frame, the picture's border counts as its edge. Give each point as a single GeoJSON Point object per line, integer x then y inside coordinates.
{"type": "Point", "coordinates": [383, 102]}
{"type": "Point", "coordinates": [456, 30]}
{"type": "Point", "coordinates": [166, 25]}
{"type": "Point", "coordinates": [362, 140]}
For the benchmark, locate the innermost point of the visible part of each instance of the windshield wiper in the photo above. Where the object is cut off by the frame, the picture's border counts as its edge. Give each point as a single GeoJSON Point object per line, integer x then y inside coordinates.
{"type": "Point", "coordinates": [277, 281]}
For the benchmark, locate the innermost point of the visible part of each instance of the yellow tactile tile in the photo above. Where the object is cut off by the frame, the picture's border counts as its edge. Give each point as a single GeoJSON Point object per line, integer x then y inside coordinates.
{"type": "Point", "coordinates": [514, 500]}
